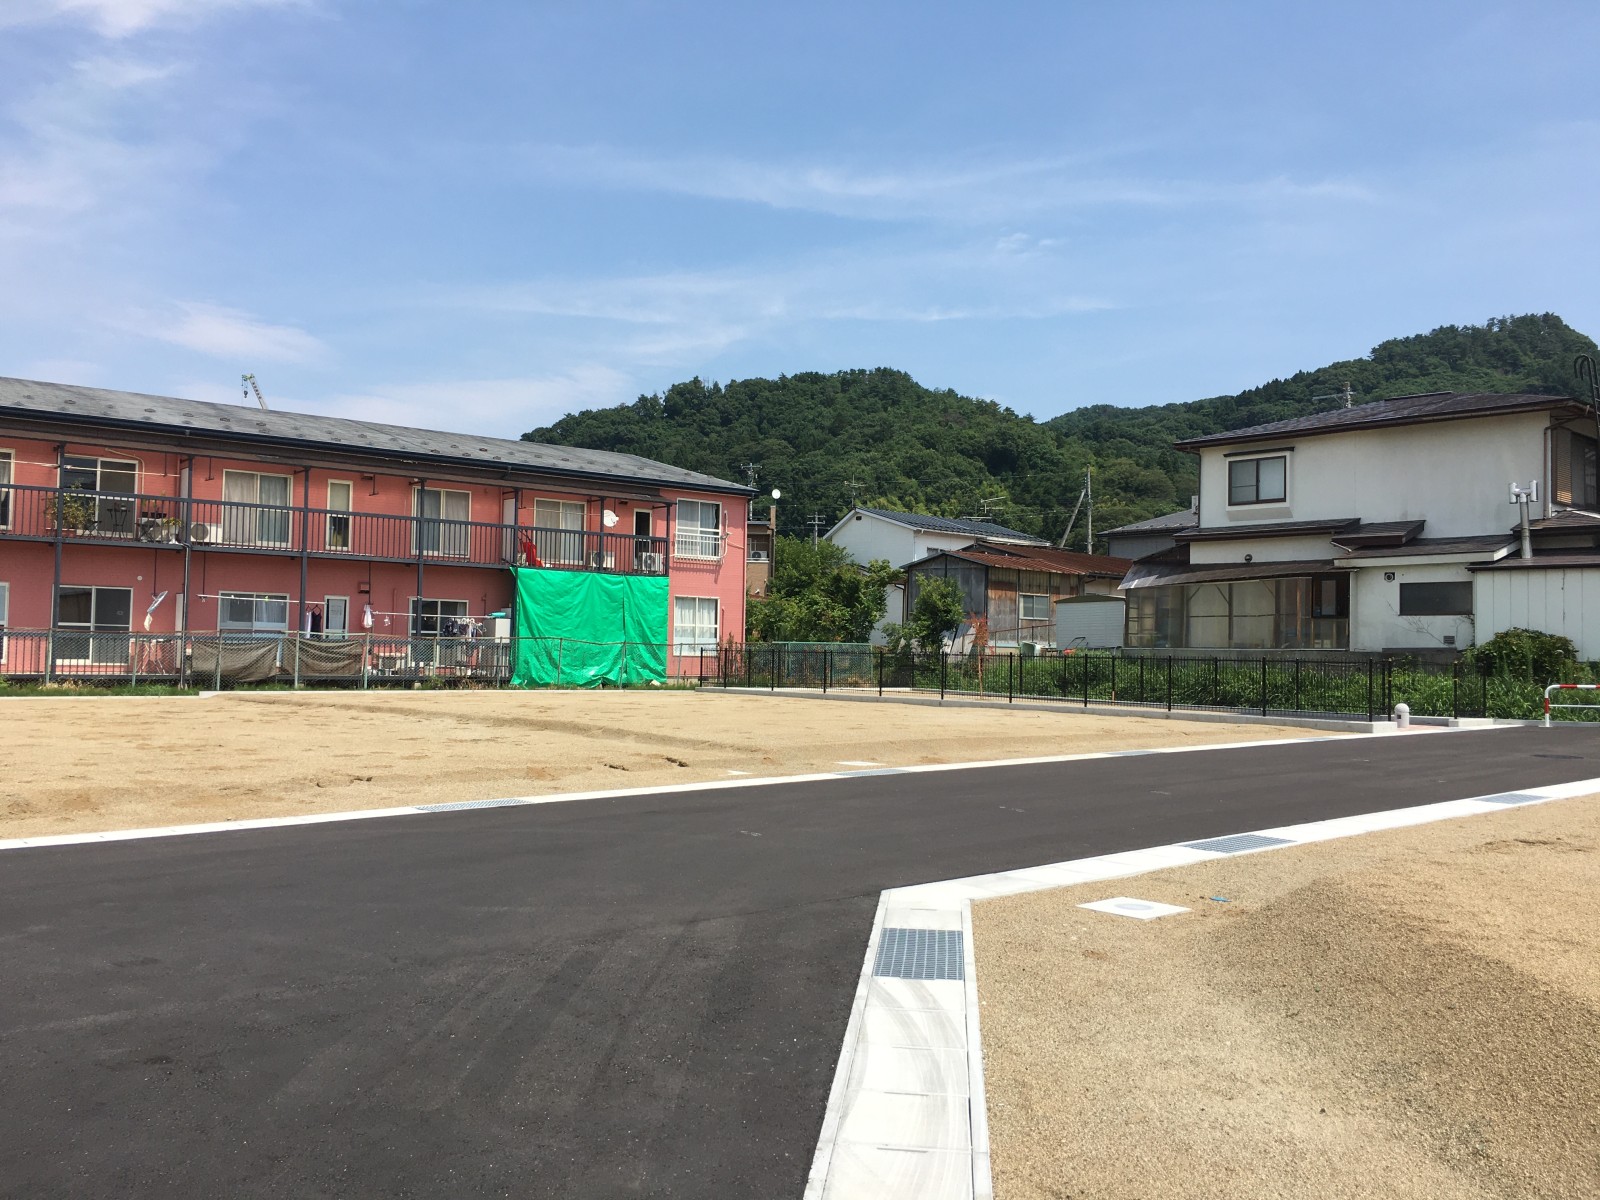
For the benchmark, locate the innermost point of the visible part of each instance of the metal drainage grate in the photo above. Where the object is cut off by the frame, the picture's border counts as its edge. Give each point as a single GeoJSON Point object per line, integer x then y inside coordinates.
{"type": "Point", "coordinates": [1234, 843]}
{"type": "Point", "coordinates": [459, 805]}
{"type": "Point", "coordinates": [1512, 798]}
{"type": "Point", "coordinates": [919, 954]}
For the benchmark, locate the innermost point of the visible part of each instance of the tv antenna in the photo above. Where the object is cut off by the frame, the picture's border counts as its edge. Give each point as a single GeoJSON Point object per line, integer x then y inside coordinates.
{"type": "Point", "coordinates": [1348, 395]}
{"type": "Point", "coordinates": [248, 384]}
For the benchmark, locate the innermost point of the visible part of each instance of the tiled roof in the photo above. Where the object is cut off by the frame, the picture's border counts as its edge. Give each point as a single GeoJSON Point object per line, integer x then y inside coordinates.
{"type": "Point", "coordinates": [1269, 529]}
{"type": "Point", "coordinates": [976, 529]}
{"type": "Point", "coordinates": [97, 406]}
{"type": "Point", "coordinates": [1166, 523]}
{"type": "Point", "coordinates": [1402, 410]}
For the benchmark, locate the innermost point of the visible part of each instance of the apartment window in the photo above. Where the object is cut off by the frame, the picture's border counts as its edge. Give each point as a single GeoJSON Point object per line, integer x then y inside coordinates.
{"type": "Point", "coordinates": [114, 482]}
{"type": "Point", "coordinates": [1258, 480]}
{"type": "Point", "coordinates": [1572, 469]}
{"type": "Point", "coordinates": [699, 529]}
{"type": "Point", "coordinates": [100, 617]}
{"type": "Point", "coordinates": [5, 489]}
{"type": "Point", "coordinates": [1436, 599]}
{"type": "Point", "coordinates": [437, 618]}
{"type": "Point", "coordinates": [559, 536]}
{"type": "Point", "coordinates": [252, 612]}
{"type": "Point", "coordinates": [5, 615]}
{"type": "Point", "coordinates": [255, 509]}
{"type": "Point", "coordinates": [1033, 607]}
{"type": "Point", "coordinates": [694, 624]}
{"type": "Point", "coordinates": [335, 616]}
{"type": "Point", "coordinates": [443, 527]}
{"type": "Point", "coordinates": [339, 492]}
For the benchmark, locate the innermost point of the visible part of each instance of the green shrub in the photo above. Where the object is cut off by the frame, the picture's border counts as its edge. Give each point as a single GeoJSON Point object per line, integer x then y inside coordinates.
{"type": "Point", "coordinates": [1526, 654]}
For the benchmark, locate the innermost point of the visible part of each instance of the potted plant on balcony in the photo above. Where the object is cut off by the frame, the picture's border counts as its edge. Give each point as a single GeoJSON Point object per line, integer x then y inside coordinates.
{"type": "Point", "coordinates": [74, 510]}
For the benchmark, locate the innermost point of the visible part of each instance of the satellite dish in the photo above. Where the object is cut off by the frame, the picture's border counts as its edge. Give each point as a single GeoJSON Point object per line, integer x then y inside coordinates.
{"type": "Point", "coordinates": [776, 494]}
{"type": "Point", "coordinates": [156, 603]}
{"type": "Point", "coordinates": [608, 518]}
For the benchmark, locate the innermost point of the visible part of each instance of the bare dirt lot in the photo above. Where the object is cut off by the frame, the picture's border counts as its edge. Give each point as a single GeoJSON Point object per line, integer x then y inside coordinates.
{"type": "Point", "coordinates": [1401, 1015]}
{"type": "Point", "coordinates": [107, 763]}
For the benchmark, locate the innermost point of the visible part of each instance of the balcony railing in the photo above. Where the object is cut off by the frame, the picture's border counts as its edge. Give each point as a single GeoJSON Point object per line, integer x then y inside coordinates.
{"type": "Point", "coordinates": [703, 545]}
{"type": "Point", "coordinates": [39, 513]}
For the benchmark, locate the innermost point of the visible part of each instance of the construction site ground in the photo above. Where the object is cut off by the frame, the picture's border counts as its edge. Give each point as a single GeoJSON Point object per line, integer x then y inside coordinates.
{"type": "Point", "coordinates": [85, 765]}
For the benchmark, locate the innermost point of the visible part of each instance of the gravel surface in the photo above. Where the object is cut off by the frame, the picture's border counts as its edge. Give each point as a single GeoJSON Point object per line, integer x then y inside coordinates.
{"type": "Point", "coordinates": [121, 763]}
{"type": "Point", "coordinates": [1409, 1014]}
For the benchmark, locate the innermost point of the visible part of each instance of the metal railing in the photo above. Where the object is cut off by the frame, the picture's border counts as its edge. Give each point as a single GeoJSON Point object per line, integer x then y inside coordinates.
{"type": "Point", "coordinates": [217, 661]}
{"type": "Point", "coordinates": [112, 518]}
{"type": "Point", "coordinates": [1266, 685]}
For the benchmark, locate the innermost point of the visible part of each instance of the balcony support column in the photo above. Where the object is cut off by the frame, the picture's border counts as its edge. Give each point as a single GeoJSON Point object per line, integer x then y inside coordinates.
{"type": "Point", "coordinates": [55, 580]}
{"type": "Point", "coordinates": [305, 542]}
{"type": "Point", "coordinates": [412, 619]}
{"type": "Point", "coordinates": [184, 644]}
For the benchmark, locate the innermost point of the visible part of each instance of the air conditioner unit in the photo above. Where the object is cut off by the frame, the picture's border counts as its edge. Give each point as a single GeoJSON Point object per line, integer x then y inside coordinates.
{"type": "Point", "coordinates": [650, 561]}
{"type": "Point", "coordinates": [199, 531]}
{"type": "Point", "coordinates": [758, 556]}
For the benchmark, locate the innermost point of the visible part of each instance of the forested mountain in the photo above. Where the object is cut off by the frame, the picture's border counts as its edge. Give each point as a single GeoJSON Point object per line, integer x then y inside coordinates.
{"type": "Point", "coordinates": [879, 438]}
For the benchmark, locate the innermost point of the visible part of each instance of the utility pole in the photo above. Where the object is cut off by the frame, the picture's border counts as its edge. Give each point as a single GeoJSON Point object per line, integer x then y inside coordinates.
{"type": "Point", "coordinates": [855, 489]}
{"type": "Point", "coordinates": [816, 521]}
{"type": "Point", "coordinates": [1085, 496]}
{"type": "Point", "coordinates": [751, 471]}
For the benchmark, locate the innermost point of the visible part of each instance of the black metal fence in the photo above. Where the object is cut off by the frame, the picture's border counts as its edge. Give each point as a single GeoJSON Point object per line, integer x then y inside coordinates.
{"type": "Point", "coordinates": [1269, 685]}
{"type": "Point", "coordinates": [216, 661]}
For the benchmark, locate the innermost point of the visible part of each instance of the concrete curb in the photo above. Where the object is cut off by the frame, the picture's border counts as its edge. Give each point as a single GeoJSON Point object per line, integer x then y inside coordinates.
{"type": "Point", "coordinates": [912, 1135]}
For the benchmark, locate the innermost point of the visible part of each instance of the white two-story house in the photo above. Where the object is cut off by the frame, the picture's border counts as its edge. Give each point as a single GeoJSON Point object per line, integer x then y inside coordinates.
{"type": "Point", "coordinates": [1384, 527]}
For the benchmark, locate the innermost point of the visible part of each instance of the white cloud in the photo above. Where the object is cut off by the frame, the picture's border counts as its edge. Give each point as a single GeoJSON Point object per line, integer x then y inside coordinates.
{"type": "Point", "coordinates": [978, 189]}
{"type": "Point", "coordinates": [122, 18]}
{"type": "Point", "coordinates": [506, 407]}
{"type": "Point", "coordinates": [229, 333]}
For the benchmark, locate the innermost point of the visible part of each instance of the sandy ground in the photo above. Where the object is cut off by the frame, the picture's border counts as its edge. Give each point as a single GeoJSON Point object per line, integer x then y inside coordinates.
{"type": "Point", "coordinates": [122, 763]}
{"type": "Point", "coordinates": [1401, 1015]}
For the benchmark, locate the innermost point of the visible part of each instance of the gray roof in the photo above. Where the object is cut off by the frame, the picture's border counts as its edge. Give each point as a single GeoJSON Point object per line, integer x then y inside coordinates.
{"type": "Point", "coordinates": [1166, 523]}
{"type": "Point", "coordinates": [981, 529]}
{"type": "Point", "coordinates": [1484, 544]}
{"type": "Point", "coordinates": [59, 402]}
{"type": "Point", "coordinates": [1147, 572]}
{"type": "Point", "coordinates": [1402, 410]}
{"type": "Point", "coordinates": [1270, 529]}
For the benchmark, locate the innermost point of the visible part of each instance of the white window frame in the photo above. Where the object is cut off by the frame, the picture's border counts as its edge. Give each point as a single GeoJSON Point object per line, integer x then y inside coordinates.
{"type": "Point", "coordinates": [123, 500]}
{"type": "Point", "coordinates": [258, 625]}
{"type": "Point", "coordinates": [251, 520]}
{"type": "Point", "coordinates": [561, 543]}
{"type": "Point", "coordinates": [1022, 606]}
{"type": "Point", "coordinates": [94, 625]}
{"type": "Point", "coordinates": [1256, 461]}
{"type": "Point", "coordinates": [696, 621]}
{"type": "Point", "coordinates": [334, 514]}
{"type": "Point", "coordinates": [453, 534]}
{"type": "Point", "coordinates": [327, 607]}
{"type": "Point", "coordinates": [699, 541]}
{"type": "Point", "coordinates": [8, 476]}
{"type": "Point", "coordinates": [5, 616]}
{"type": "Point", "coordinates": [438, 617]}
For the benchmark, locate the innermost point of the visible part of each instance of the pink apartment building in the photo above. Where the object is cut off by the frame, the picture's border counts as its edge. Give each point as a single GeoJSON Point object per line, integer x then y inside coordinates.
{"type": "Point", "coordinates": [253, 521]}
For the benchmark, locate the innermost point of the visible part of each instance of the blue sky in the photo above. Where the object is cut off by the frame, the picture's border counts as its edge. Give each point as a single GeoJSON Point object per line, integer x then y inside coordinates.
{"type": "Point", "coordinates": [480, 215]}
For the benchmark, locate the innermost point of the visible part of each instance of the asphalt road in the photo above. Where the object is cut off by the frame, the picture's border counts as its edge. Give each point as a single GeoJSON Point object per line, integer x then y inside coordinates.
{"type": "Point", "coordinates": [639, 997]}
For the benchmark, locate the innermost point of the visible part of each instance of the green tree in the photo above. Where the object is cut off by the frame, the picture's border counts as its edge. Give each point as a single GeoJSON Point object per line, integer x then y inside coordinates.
{"type": "Point", "coordinates": [937, 613]}
{"type": "Point", "coordinates": [819, 594]}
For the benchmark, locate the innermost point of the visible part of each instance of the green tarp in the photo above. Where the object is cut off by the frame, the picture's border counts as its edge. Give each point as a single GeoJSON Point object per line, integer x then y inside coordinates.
{"type": "Point", "coordinates": [582, 629]}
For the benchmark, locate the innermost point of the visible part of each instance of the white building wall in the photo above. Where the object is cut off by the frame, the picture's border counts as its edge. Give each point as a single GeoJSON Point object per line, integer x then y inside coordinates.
{"type": "Point", "coordinates": [1286, 549]}
{"type": "Point", "coordinates": [1375, 620]}
{"type": "Point", "coordinates": [1453, 474]}
{"type": "Point", "coordinates": [1566, 602]}
{"type": "Point", "coordinates": [872, 537]}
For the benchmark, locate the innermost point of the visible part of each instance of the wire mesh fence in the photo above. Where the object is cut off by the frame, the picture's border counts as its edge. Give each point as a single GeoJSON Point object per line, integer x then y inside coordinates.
{"type": "Point", "coordinates": [218, 661]}
{"type": "Point", "coordinates": [1266, 685]}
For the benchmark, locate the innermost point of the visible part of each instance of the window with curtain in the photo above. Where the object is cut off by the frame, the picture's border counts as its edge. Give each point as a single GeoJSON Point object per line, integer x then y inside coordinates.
{"type": "Point", "coordinates": [559, 536]}
{"type": "Point", "coordinates": [699, 530]}
{"type": "Point", "coordinates": [255, 509]}
{"type": "Point", "coordinates": [252, 612]}
{"type": "Point", "coordinates": [442, 525]}
{"type": "Point", "coordinates": [694, 624]}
